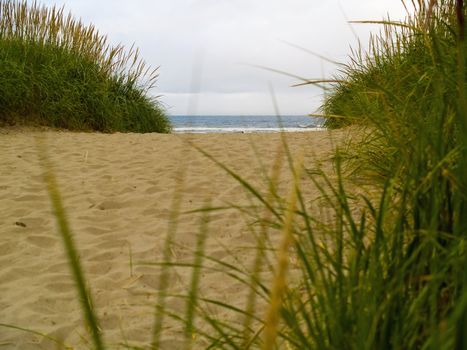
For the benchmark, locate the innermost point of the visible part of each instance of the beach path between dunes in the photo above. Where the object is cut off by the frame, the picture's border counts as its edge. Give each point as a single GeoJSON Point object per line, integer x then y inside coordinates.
{"type": "Point", "coordinates": [118, 191]}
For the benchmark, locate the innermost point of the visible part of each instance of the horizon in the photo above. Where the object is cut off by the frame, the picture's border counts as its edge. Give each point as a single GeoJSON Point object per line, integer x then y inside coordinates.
{"type": "Point", "coordinates": [241, 115]}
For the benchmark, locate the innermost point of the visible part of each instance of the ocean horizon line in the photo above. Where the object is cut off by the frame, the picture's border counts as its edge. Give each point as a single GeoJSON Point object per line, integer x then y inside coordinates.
{"type": "Point", "coordinates": [240, 115]}
{"type": "Point", "coordinates": [243, 124]}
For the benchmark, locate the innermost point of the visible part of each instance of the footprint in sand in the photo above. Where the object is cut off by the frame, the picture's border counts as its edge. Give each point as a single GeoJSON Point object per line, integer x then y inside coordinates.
{"type": "Point", "coordinates": [31, 222]}
{"type": "Point", "coordinates": [94, 230]}
{"type": "Point", "coordinates": [8, 247]}
{"type": "Point", "coordinates": [61, 267]}
{"type": "Point", "coordinates": [127, 189]}
{"type": "Point", "coordinates": [30, 198]}
{"type": "Point", "coordinates": [110, 205]}
{"type": "Point", "coordinates": [100, 268]}
{"type": "Point", "coordinates": [42, 241]}
{"type": "Point", "coordinates": [61, 287]}
{"type": "Point", "coordinates": [152, 190]}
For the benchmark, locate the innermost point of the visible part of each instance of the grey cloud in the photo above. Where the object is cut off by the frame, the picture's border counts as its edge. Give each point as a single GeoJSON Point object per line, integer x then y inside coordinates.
{"type": "Point", "coordinates": [171, 34]}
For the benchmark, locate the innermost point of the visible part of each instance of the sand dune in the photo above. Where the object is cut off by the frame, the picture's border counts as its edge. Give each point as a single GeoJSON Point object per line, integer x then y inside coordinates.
{"type": "Point", "coordinates": [118, 191]}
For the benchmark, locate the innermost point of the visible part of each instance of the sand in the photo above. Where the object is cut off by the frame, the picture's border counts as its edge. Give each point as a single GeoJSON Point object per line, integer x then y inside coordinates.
{"type": "Point", "coordinates": [118, 191]}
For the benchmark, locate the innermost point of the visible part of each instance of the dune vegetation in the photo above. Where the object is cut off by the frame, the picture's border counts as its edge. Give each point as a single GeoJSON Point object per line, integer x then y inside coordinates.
{"type": "Point", "coordinates": [384, 273]}
{"type": "Point", "coordinates": [57, 72]}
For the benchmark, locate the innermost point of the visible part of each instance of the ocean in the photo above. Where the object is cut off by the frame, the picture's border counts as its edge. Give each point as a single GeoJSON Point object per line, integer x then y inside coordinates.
{"type": "Point", "coordinates": [243, 124]}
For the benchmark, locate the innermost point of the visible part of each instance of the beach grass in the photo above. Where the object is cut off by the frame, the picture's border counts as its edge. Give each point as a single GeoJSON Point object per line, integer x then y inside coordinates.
{"type": "Point", "coordinates": [383, 269]}
{"type": "Point", "coordinates": [57, 72]}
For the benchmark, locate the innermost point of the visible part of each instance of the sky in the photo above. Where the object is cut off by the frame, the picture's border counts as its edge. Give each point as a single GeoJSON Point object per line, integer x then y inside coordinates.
{"type": "Point", "coordinates": [209, 51]}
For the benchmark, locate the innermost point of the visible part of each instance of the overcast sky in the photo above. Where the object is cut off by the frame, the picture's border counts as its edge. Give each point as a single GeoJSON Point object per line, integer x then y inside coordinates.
{"type": "Point", "coordinates": [219, 42]}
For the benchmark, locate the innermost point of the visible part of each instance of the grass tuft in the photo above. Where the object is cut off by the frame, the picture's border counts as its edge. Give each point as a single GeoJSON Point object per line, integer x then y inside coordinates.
{"type": "Point", "coordinates": [55, 71]}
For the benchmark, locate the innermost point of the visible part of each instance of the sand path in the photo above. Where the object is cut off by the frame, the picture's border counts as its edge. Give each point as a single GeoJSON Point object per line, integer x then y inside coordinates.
{"type": "Point", "coordinates": [118, 191]}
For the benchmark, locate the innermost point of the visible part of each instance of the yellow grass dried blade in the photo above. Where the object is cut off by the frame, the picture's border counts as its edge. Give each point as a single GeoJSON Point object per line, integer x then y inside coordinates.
{"type": "Point", "coordinates": [429, 13]}
{"type": "Point", "coordinates": [389, 23]}
{"type": "Point", "coordinates": [318, 82]}
{"type": "Point", "coordinates": [71, 251]}
{"type": "Point", "coordinates": [261, 242]}
{"type": "Point", "coordinates": [271, 328]}
{"type": "Point", "coordinates": [164, 277]}
{"type": "Point", "coordinates": [193, 294]}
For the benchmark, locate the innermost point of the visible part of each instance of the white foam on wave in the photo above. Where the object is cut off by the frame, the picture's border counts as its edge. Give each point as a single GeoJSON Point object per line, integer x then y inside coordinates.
{"type": "Point", "coordinates": [207, 130]}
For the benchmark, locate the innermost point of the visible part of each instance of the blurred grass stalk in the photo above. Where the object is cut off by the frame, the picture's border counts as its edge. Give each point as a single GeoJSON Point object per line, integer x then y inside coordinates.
{"type": "Point", "coordinates": [85, 296]}
{"type": "Point", "coordinates": [272, 317]}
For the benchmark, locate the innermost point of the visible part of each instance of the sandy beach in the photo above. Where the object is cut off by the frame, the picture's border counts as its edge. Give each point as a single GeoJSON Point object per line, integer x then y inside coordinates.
{"type": "Point", "coordinates": [118, 191]}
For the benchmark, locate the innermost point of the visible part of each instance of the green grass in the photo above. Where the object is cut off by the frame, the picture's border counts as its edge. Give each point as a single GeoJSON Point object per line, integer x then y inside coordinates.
{"type": "Point", "coordinates": [55, 71]}
{"type": "Point", "coordinates": [387, 270]}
